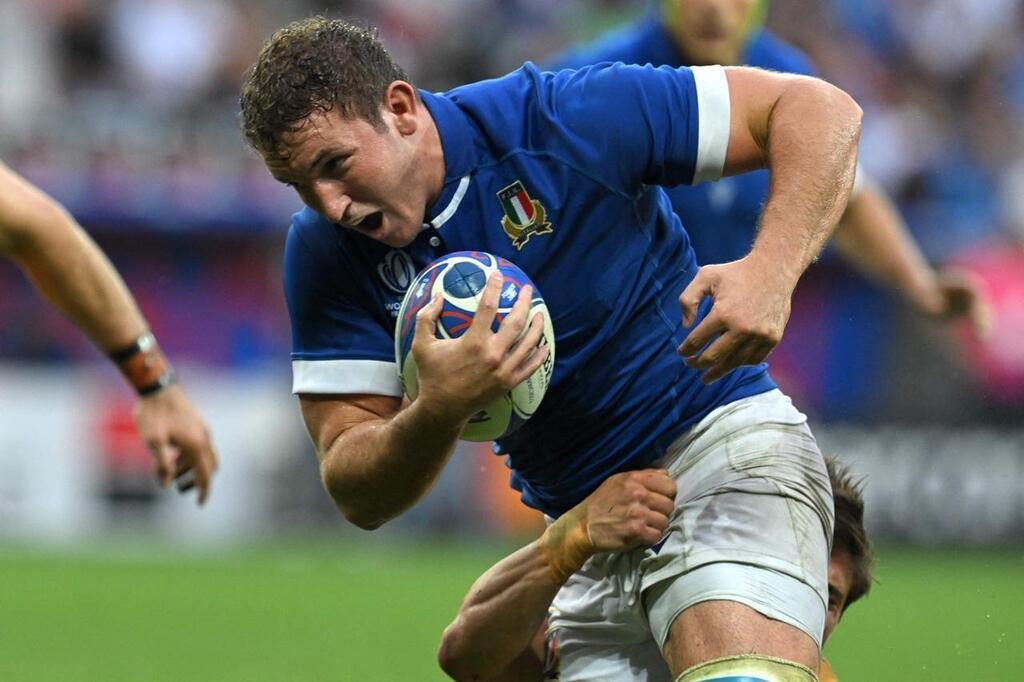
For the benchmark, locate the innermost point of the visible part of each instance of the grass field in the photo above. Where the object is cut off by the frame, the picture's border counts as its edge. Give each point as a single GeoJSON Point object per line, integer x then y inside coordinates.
{"type": "Point", "coordinates": [313, 612]}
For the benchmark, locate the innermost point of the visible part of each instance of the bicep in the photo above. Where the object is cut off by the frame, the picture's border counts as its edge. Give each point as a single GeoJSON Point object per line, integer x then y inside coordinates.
{"type": "Point", "coordinates": [753, 94]}
{"type": "Point", "coordinates": [327, 417]}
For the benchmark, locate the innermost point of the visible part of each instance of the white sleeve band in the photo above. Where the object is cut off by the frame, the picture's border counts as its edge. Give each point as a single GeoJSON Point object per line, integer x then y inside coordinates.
{"type": "Point", "coordinates": [346, 377]}
{"type": "Point", "coordinates": [713, 118]}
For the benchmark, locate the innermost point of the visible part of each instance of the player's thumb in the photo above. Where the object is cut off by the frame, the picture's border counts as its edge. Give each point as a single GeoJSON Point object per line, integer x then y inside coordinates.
{"type": "Point", "coordinates": [699, 287]}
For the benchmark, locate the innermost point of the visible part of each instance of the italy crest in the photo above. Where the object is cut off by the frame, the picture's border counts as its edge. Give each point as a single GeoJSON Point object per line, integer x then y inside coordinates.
{"type": "Point", "coordinates": [524, 217]}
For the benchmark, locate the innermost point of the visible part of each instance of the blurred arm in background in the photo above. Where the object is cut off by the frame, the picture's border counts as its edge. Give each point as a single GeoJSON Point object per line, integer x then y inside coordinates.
{"type": "Point", "coordinates": [873, 238]}
{"type": "Point", "coordinates": [70, 270]}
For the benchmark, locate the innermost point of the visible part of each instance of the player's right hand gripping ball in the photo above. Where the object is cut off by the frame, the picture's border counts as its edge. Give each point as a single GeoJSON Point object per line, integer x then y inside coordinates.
{"type": "Point", "coordinates": [460, 277]}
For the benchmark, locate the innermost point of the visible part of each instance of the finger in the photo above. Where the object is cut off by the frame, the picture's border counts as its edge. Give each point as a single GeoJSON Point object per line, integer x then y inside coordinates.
{"type": "Point", "coordinates": [749, 352]}
{"type": "Point", "coordinates": [980, 315]}
{"type": "Point", "coordinates": [515, 322]}
{"type": "Point", "coordinates": [530, 365]}
{"type": "Point", "coordinates": [528, 342]}
{"type": "Point", "coordinates": [426, 320]}
{"type": "Point", "coordinates": [699, 287]}
{"type": "Point", "coordinates": [163, 460]}
{"type": "Point", "coordinates": [202, 472]}
{"type": "Point", "coordinates": [702, 334]}
{"type": "Point", "coordinates": [487, 308]}
{"type": "Point", "coordinates": [659, 481]}
{"type": "Point", "coordinates": [720, 352]}
{"type": "Point", "coordinates": [723, 347]}
{"type": "Point", "coordinates": [660, 503]}
{"type": "Point", "coordinates": [657, 522]}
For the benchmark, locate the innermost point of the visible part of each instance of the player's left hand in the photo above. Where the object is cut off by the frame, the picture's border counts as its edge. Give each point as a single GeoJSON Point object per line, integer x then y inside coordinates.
{"type": "Point", "coordinates": [750, 309]}
{"type": "Point", "coordinates": [178, 439]}
{"type": "Point", "coordinates": [957, 295]}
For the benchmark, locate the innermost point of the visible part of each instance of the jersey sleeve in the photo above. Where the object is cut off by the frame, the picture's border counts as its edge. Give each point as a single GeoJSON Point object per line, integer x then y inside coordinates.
{"type": "Point", "coordinates": [338, 347]}
{"type": "Point", "coordinates": [641, 125]}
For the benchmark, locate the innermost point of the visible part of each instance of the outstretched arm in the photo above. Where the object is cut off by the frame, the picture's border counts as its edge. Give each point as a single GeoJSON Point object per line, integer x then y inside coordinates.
{"type": "Point", "coordinates": [504, 608]}
{"type": "Point", "coordinates": [873, 237]}
{"type": "Point", "coordinates": [805, 131]}
{"type": "Point", "coordinates": [71, 272]}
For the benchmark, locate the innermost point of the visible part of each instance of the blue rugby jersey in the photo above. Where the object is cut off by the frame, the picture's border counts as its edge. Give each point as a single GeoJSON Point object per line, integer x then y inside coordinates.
{"type": "Point", "coordinates": [558, 174]}
{"type": "Point", "coordinates": [721, 218]}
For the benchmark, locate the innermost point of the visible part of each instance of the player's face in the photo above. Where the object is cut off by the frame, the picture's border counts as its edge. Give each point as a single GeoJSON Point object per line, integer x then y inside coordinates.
{"type": "Point", "coordinates": [709, 31]}
{"type": "Point", "coordinates": [357, 175]}
{"type": "Point", "coordinates": [840, 577]}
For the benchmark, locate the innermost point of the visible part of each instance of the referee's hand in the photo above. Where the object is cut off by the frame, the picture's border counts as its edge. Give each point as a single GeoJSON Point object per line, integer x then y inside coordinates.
{"type": "Point", "coordinates": [179, 440]}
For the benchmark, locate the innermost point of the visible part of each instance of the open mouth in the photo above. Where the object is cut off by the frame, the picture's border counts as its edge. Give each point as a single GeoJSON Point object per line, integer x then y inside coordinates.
{"type": "Point", "coordinates": [369, 222]}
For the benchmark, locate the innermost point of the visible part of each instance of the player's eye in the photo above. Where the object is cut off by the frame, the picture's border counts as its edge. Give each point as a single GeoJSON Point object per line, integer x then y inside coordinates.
{"type": "Point", "coordinates": [335, 164]}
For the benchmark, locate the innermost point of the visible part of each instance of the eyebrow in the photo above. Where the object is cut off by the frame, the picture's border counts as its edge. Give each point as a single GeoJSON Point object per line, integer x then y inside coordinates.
{"type": "Point", "coordinates": [323, 154]}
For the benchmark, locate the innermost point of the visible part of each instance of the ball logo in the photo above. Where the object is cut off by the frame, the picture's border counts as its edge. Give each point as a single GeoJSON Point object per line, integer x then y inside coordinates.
{"type": "Point", "coordinates": [397, 271]}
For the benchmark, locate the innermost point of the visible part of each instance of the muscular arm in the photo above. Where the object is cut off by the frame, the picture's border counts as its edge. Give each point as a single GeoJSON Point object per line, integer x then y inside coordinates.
{"type": "Point", "coordinates": [378, 458]}
{"type": "Point", "coordinates": [805, 131]}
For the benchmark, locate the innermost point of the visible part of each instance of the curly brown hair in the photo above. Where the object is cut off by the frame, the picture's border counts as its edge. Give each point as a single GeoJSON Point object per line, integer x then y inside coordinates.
{"type": "Point", "coordinates": [315, 64]}
{"type": "Point", "coordinates": [849, 535]}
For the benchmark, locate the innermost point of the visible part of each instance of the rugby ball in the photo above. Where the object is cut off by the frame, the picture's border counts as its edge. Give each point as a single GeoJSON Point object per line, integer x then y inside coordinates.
{"type": "Point", "coordinates": [460, 277]}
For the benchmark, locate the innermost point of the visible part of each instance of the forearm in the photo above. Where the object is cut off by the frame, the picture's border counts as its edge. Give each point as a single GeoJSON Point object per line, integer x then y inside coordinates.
{"type": "Point", "coordinates": [873, 237]}
{"type": "Point", "coordinates": [811, 146]}
{"type": "Point", "coordinates": [65, 265]}
{"type": "Point", "coordinates": [499, 616]}
{"type": "Point", "coordinates": [378, 468]}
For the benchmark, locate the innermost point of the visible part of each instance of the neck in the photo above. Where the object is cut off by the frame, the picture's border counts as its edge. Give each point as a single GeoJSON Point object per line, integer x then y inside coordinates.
{"type": "Point", "coordinates": [431, 159]}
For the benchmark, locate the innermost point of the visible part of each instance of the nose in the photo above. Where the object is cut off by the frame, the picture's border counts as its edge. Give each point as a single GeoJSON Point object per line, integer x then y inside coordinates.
{"type": "Point", "coordinates": [331, 199]}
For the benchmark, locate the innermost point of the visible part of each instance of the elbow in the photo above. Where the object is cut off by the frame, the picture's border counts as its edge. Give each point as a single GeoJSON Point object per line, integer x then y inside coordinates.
{"type": "Point", "coordinates": [363, 521]}
{"type": "Point", "coordinates": [844, 107]}
{"type": "Point", "coordinates": [356, 513]}
{"type": "Point", "coordinates": [451, 655]}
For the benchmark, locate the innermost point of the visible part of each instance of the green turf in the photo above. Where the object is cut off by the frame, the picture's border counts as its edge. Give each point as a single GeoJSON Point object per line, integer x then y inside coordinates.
{"type": "Point", "coordinates": [936, 615]}
{"type": "Point", "coordinates": [308, 612]}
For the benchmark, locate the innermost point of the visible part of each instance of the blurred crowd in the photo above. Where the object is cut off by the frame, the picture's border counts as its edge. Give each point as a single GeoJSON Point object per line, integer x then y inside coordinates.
{"type": "Point", "coordinates": [120, 106]}
{"type": "Point", "coordinates": [126, 110]}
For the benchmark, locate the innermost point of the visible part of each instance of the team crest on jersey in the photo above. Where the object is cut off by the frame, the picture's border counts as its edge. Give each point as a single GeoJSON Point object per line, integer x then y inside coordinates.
{"type": "Point", "coordinates": [524, 217]}
{"type": "Point", "coordinates": [397, 271]}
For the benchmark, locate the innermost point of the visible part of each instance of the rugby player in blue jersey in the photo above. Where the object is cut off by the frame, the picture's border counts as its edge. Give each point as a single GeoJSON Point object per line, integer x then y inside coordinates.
{"type": "Point", "coordinates": [394, 177]}
{"type": "Point", "coordinates": [722, 217]}
{"type": "Point", "coordinates": [67, 268]}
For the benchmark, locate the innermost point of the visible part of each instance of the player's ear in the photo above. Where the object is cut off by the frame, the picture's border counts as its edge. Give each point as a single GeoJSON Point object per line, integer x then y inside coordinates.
{"type": "Point", "coordinates": [401, 103]}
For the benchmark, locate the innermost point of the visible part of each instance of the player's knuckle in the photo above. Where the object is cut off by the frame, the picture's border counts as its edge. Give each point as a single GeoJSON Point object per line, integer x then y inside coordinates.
{"type": "Point", "coordinates": [636, 527]}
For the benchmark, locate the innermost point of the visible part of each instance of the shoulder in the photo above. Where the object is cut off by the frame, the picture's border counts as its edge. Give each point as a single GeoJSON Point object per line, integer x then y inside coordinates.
{"type": "Point", "coordinates": [626, 44]}
{"type": "Point", "coordinates": [768, 51]}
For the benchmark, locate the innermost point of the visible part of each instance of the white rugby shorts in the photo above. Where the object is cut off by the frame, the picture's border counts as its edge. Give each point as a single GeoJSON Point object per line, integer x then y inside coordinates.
{"type": "Point", "coordinates": [753, 524]}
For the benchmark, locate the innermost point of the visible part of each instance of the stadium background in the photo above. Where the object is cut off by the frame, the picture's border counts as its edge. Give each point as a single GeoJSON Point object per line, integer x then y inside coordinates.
{"type": "Point", "coordinates": [125, 110]}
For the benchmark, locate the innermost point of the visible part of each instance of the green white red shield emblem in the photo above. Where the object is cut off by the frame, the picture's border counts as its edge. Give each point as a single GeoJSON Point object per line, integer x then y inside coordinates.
{"type": "Point", "coordinates": [524, 217]}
